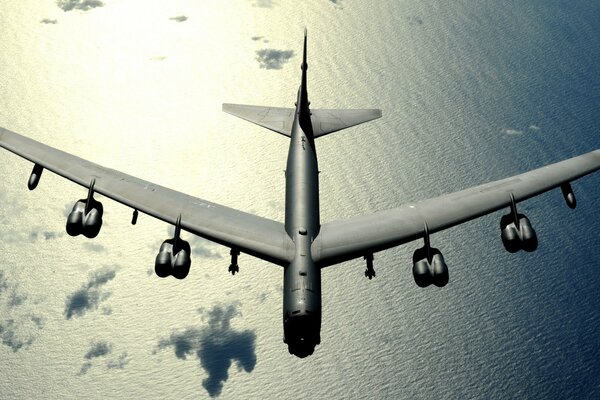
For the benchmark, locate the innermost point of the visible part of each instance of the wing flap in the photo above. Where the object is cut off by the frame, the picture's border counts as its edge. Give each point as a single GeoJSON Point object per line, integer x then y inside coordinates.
{"type": "Point", "coordinates": [276, 119]}
{"type": "Point", "coordinates": [260, 237]}
{"type": "Point", "coordinates": [344, 240]}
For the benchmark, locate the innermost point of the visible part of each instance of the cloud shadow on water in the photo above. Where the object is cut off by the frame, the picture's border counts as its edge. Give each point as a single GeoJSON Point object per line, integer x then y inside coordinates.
{"type": "Point", "coordinates": [19, 323]}
{"type": "Point", "coordinates": [89, 296]}
{"type": "Point", "coordinates": [216, 345]}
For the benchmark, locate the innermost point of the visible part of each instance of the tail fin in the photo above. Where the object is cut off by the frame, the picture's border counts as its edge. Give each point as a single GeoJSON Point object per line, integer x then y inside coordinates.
{"type": "Point", "coordinates": [321, 121]}
{"type": "Point", "coordinates": [304, 67]}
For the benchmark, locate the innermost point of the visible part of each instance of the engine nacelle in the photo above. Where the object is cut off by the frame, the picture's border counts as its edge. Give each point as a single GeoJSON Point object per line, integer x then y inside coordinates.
{"type": "Point", "coordinates": [519, 236]}
{"type": "Point", "coordinates": [88, 224]}
{"type": "Point", "coordinates": [173, 258]}
{"type": "Point", "coordinates": [428, 269]}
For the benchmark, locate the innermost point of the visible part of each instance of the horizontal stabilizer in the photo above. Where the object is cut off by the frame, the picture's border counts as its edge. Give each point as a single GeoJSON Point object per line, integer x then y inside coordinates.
{"type": "Point", "coordinates": [276, 119]}
{"type": "Point", "coordinates": [280, 120]}
{"type": "Point", "coordinates": [325, 121]}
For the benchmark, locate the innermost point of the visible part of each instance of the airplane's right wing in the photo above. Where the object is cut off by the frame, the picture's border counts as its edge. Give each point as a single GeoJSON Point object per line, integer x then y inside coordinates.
{"type": "Point", "coordinates": [344, 240]}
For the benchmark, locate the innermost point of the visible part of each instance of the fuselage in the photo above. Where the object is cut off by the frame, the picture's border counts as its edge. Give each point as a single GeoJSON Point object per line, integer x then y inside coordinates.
{"type": "Point", "coordinates": [302, 278]}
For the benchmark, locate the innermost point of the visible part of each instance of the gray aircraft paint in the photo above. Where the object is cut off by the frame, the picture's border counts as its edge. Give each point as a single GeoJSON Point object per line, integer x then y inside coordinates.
{"type": "Point", "coordinates": [302, 278]}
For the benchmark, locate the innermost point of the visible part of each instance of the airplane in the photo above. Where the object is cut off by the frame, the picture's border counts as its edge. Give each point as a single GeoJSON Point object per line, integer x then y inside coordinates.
{"type": "Point", "coordinates": [302, 245]}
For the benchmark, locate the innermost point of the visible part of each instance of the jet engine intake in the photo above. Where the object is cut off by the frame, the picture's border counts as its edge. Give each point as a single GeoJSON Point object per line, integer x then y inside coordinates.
{"type": "Point", "coordinates": [429, 267]}
{"type": "Point", "coordinates": [517, 236]}
{"type": "Point", "coordinates": [173, 258]}
{"type": "Point", "coordinates": [85, 222]}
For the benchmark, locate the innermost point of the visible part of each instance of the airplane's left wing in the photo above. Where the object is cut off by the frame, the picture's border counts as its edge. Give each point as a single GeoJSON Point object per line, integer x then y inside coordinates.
{"type": "Point", "coordinates": [257, 236]}
{"type": "Point", "coordinates": [344, 240]}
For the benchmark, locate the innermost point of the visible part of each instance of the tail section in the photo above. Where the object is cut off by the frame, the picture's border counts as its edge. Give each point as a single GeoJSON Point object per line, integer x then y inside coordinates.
{"type": "Point", "coordinates": [280, 120]}
{"type": "Point", "coordinates": [319, 122]}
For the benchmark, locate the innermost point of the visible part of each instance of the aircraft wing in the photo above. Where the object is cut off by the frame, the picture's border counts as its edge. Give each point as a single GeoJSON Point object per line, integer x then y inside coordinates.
{"type": "Point", "coordinates": [344, 240]}
{"type": "Point", "coordinates": [257, 236]}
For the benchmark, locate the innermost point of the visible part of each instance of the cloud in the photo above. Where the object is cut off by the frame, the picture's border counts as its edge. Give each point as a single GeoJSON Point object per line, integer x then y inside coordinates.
{"type": "Point", "coordinates": [216, 345]}
{"type": "Point", "coordinates": [16, 298]}
{"type": "Point", "coordinates": [515, 132]}
{"type": "Point", "coordinates": [37, 234]}
{"type": "Point", "coordinates": [415, 20]}
{"type": "Point", "coordinates": [100, 349]}
{"type": "Point", "coordinates": [48, 21]}
{"type": "Point", "coordinates": [20, 236]}
{"type": "Point", "coordinates": [19, 325]}
{"type": "Point", "coordinates": [51, 235]}
{"type": "Point", "coordinates": [84, 5]}
{"type": "Point", "coordinates": [97, 349]}
{"type": "Point", "coordinates": [118, 363]}
{"type": "Point", "coordinates": [512, 132]}
{"type": "Point", "coordinates": [256, 38]}
{"type": "Point", "coordinates": [179, 18]}
{"type": "Point", "coordinates": [3, 282]}
{"type": "Point", "coordinates": [263, 3]}
{"type": "Point", "coordinates": [9, 333]}
{"type": "Point", "coordinates": [262, 297]}
{"type": "Point", "coordinates": [38, 321]}
{"type": "Point", "coordinates": [272, 58]}
{"type": "Point", "coordinates": [202, 248]}
{"type": "Point", "coordinates": [85, 368]}
{"type": "Point", "coordinates": [89, 296]}
{"type": "Point", "coordinates": [97, 248]}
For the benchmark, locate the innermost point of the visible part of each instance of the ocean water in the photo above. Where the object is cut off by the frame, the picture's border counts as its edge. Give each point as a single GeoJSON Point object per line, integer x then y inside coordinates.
{"type": "Point", "coordinates": [470, 91]}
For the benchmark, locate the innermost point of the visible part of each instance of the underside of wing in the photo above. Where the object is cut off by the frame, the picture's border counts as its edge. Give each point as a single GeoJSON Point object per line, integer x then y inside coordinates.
{"type": "Point", "coordinates": [326, 121]}
{"type": "Point", "coordinates": [260, 237]}
{"type": "Point", "coordinates": [344, 240]}
{"type": "Point", "coordinates": [276, 119]}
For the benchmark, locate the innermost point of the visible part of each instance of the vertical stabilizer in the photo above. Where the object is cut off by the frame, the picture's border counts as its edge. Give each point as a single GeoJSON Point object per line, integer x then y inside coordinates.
{"type": "Point", "coordinates": [304, 67]}
{"type": "Point", "coordinates": [303, 103]}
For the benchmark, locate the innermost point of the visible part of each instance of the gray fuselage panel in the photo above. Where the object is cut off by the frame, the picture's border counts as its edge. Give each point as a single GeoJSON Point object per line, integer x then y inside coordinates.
{"type": "Point", "coordinates": [302, 278]}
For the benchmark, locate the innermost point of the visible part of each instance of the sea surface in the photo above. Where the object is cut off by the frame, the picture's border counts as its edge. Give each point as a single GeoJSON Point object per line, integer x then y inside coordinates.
{"type": "Point", "coordinates": [471, 91]}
